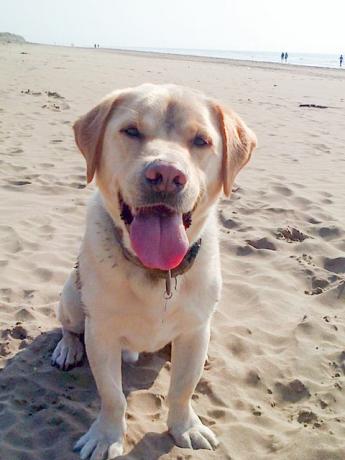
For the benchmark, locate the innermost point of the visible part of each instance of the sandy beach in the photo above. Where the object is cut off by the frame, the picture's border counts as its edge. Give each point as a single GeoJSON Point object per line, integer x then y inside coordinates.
{"type": "Point", "coordinates": [274, 383]}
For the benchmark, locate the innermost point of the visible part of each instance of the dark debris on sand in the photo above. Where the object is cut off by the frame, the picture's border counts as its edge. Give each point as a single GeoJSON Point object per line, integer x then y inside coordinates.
{"type": "Point", "coordinates": [291, 235]}
{"type": "Point", "coordinates": [293, 391]}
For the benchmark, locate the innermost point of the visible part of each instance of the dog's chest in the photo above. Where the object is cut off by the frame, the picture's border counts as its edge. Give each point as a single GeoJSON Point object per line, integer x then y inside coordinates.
{"type": "Point", "coordinates": [151, 324]}
{"type": "Point", "coordinates": [133, 307]}
{"type": "Point", "coordinates": [149, 335]}
{"type": "Point", "coordinates": [142, 319]}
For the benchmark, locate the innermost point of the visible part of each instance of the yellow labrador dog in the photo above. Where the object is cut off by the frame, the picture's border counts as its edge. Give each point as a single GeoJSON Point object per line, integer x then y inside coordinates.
{"type": "Point", "coordinates": [161, 155]}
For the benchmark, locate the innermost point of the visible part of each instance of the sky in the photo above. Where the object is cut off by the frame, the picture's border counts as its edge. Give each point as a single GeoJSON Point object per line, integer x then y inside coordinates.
{"type": "Point", "coordinates": [316, 26]}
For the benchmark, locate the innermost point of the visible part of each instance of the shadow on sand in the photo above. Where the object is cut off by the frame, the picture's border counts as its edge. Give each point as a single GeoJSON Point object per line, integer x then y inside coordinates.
{"type": "Point", "coordinates": [43, 410]}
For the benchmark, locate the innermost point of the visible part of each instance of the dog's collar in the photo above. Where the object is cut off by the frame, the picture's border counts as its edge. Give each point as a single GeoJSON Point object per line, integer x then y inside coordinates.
{"type": "Point", "coordinates": [182, 268]}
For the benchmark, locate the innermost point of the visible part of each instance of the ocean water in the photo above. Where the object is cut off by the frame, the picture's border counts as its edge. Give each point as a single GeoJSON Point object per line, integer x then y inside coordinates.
{"type": "Point", "coordinates": [306, 59]}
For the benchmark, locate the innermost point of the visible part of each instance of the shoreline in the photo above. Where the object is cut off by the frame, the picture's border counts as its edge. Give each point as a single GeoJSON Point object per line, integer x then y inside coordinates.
{"type": "Point", "coordinates": [267, 65]}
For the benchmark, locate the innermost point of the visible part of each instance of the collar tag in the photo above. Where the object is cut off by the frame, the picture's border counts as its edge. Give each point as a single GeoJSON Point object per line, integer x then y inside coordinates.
{"type": "Point", "coordinates": [168, 292]}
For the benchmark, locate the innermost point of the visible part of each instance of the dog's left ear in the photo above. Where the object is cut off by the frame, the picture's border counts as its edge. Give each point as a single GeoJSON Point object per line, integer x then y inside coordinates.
{"type": "Point", "coordinates": [238, 142]}
{"type": "Point", "coordinates": [89, 131]}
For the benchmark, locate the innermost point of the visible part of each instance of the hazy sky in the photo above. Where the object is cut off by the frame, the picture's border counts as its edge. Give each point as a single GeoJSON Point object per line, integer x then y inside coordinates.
{"type": "Point", "coordinates": [263, 25]}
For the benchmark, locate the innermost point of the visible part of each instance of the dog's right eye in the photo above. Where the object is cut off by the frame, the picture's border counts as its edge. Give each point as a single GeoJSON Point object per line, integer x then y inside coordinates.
{"type": "Point", "coordinates": [132, 131]}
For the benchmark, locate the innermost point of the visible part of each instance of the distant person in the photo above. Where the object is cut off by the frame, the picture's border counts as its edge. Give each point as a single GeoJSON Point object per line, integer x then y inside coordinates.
{"type": "Point", "coordinates": [286, 57]}
{"type": "Point", "coordinates": [341, 60]}
{"type": "Point", "coordinates": [282, 56]}
{"type": "Point", "coordinates": [95, 46]}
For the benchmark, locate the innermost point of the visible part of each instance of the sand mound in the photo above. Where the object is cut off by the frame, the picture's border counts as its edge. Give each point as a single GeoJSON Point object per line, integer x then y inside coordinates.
{"type": "Point", "coordinates": [11, 38]}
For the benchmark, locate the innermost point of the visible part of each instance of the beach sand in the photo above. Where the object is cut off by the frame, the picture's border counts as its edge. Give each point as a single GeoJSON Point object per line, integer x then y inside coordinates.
{"type": "Point", "coordinates": [274, 383]}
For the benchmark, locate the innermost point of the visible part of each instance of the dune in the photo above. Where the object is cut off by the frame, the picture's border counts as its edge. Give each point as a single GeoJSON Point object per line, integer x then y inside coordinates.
{"type": "Point", "coordinates": [274, 383]}
{"type": "Point", "coordinates": [7, 37]}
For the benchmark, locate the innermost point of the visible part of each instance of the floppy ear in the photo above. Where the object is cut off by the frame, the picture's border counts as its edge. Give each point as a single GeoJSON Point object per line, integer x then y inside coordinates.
{"type": "Point", "coordinates": [238, 144]}
{"type": "Point", "coordinates": [89, 132]}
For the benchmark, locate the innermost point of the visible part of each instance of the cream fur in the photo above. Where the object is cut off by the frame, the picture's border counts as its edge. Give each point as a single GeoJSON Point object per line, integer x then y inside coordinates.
{"type": "Point", "coordinates": [119, 306]}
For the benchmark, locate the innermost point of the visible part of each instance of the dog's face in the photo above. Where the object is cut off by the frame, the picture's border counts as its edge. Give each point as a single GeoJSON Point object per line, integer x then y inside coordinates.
{"type": "Point", "coordinates": [162, 154]}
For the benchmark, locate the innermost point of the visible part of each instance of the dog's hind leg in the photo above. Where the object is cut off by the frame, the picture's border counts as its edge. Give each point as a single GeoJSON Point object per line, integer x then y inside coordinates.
{"type": "Point", "coordinates": [70, 350]}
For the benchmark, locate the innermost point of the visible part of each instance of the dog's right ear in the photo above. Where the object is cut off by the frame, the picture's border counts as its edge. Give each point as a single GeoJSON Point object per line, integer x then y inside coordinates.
{"type": "Point", "coordinates": [238, 141]}
{"type": "Point", "coordinates": [89, 132]}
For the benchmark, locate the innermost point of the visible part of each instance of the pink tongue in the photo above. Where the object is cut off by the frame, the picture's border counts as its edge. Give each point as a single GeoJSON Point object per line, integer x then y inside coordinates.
{"type": "Point", "coordinates": [159, 241]}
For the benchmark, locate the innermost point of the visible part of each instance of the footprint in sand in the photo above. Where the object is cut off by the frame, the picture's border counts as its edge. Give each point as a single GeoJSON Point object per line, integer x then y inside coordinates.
{"type": "Point", "coordinates": [262, 243]}
{"type": "Point", "coordinates": [227, 223]}
{"type": "Point", "coordinates": [205, 388]}
{"type": "Point", "coordinates": [24, 314]}
{"type": "Point", "coordinates": [44, 274]}
{"type": "Point", "coordinates": [303, 202]}
{"type": "Point", "coordinates": [319, 282]}
{"type": "Point", "coordinates": [285, 191]}
{"type": "Point", "coordinates": [328, 233]}
{"type": "Point", "coordinates": [244, 251]}
{"type": "Point", "coordinates": [6, 294]}
{"type": "Point", "coordinates": [298, 185]}
{"type": "Point", "coordinates": [20, 182]}
{"type": "Point", "coordinates": [148, 402]}
{"type": "Point", "coordinates": [77, 185]}
{"type": "Point", "coordinates": [322, 147]}
{"type": "Point", "coordinates": [15, 151]}
{"type": "Point", "coordinates": [46, 229]}
{"type": "Point", "coordinates": [326, 194]}
{"type": "Point", "coordinates": [293, 391]}
{"type": "Point", "coordinates": [253, 378]}
{"type": "Point", "coordinates": [55, 141]}
{"type": "Point", "coordinates": [336, 265]}
{"type": "Point", "coordinates": [314, 221]}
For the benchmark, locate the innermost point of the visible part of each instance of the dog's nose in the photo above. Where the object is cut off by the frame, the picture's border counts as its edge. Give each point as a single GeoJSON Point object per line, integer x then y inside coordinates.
{"type": "Point", "coordinates": [165, 177]}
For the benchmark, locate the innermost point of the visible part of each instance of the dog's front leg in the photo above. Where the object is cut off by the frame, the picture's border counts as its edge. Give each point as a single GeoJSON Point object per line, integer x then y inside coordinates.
{"type": "Point", "coordinates": [188, 358]}
{"type": "Point", "coordinates": [105, 436]}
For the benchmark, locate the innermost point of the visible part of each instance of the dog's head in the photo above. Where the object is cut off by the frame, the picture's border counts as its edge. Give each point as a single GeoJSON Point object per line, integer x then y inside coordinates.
{"type": "Point", "coordinates": [162, 155]}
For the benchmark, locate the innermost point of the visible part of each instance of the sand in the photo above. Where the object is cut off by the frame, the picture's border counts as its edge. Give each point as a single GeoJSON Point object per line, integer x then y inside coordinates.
{"type": "Point", "coordinates": [274, 384]}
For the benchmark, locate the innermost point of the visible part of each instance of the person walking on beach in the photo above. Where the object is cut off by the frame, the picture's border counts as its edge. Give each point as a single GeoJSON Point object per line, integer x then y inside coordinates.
{"type": "Point", "coordinates": [341, 60]}
{"type": "Point", "coordinates": [286, 57]}
{"type": "Point", "coordinates": [282, 56]}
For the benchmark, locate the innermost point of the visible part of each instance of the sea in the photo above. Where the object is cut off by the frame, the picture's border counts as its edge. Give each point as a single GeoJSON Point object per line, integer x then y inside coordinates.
{"type": "Point", "coordinates": [304, 59]}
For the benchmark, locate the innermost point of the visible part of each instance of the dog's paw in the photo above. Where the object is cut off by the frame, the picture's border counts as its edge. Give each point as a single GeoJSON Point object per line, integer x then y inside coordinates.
{"type": "Point", "coordinates": [98, 444]}
{"type": "Point", "coordinates": [198, 436]}
{"type": "Point", "coordinates": [68, 352]}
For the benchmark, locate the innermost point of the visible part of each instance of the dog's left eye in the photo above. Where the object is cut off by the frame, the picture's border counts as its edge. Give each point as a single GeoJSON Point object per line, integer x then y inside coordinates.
{"type": "Point", "coordinates": [200, 141]}
{"type": "Point", "coordinates": [132, 131]}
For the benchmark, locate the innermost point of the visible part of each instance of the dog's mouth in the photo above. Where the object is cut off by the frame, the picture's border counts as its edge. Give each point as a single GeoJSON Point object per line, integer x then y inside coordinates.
{"type": "Point", "coordinates": [157, 233]}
